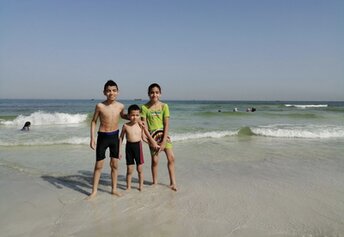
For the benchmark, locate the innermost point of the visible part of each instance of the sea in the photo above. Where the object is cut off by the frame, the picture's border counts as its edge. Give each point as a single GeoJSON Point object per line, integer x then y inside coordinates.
{"type": "Point", "coordinates": [55, 122]}
{"type": "Point", "coordinates": [277, 171]}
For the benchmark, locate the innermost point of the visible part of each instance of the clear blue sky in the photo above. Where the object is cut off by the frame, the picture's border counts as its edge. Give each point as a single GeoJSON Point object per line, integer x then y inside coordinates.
{"type": "Point", "coordinates": [217, 50]}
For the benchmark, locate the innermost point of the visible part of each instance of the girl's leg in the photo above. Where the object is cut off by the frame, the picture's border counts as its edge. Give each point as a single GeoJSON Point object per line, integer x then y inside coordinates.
{"type": "Point", "coordinates": [154, 168]}
{"type": "Point", "coordinates": [171, 170]}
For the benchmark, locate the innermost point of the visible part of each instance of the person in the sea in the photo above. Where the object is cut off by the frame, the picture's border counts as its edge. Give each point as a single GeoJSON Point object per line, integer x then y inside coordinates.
{"type": "Point", "coordinates": [108, 112]}
{"type": "Point", "coordinates": [135, 133]}
{"type": "Point", "coordinates": [26, 126]}
{"type": "Point", "coordinates": [155, 115]}
{"type": "Point", "coordinates": [251, 109]}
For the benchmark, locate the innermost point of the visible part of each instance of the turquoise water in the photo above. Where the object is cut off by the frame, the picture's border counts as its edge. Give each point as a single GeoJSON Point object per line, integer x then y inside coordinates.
{"type": "Point", "coordinates": [57, 125]}
{"type": "Point", "coordinates": [60, 125]}
{"type": "Point", "coordinates": [277, 171]}
{"type": "Point", "coordinates": [67, 121]}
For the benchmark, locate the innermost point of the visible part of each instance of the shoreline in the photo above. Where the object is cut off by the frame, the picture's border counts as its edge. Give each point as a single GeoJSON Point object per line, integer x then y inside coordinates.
{"type": "Point", "coordinates": [274, 191]}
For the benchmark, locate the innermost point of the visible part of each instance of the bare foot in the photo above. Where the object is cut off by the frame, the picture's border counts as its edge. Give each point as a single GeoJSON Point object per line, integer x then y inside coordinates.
{"type": "Point", "coordinates": [91, 196]}
{"type": "Point", "coordinates": [139, 188]}
{"type": "Point", "coordinates": [154, 184]}
{"type": "Point", "coordinates": [116, 193]}
{"type": "Point", "coordinates": [173, 187]}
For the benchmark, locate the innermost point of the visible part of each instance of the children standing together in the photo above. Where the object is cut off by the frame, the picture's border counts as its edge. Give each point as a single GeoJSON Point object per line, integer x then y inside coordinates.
{"type": "Point", "coordinates": [149, 124]}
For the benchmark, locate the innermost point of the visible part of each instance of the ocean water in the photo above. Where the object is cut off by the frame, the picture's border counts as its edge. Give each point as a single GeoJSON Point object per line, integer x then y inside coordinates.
{"type": "Point", "coordinates": [67, 121]}
{"type": "Point", "coordinates": [278, 171]}
{"type": "Point", "coordinates": [61, 125]}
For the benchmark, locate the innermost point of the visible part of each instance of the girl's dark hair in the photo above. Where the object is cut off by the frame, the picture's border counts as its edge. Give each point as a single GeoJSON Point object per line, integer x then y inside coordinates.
{"type": "Point", "coordinates": [110, 83]}
{"type": "Point", "coordinates": [152, 86]}
{"type": "Point", "coordinates": [133, 107]}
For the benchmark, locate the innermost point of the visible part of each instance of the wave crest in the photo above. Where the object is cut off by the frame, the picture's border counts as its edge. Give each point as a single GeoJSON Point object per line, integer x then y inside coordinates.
{"type": "Point", "coordinates": [200, 135]}
{"type": "Point", "coordinates": [310, 131]}
{"type": "Point", "coordinates": [44, 118]}
{"type": "Point", "coordinates": [39, 142]}
{"type": "Point", "coordinates": [306, 106]}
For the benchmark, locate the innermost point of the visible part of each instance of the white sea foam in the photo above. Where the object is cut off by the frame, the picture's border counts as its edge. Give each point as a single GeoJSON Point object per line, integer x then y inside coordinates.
{"type": "Point", "coordinates": [307, 106]}
{"type": "Point", "coordinates": [293, 131]}
{"type": "Point", "coordinates": [200, 135]}
{"type": "Point", "coordinates": [278, 131]}
{"type": "Point", "coordinates": [43, 141]}
{"type": "Point", "coordinates": [44, 118]}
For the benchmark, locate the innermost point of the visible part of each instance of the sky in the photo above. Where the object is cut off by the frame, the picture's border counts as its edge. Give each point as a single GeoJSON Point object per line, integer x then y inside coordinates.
{"type": "Point", "coordinates": [195, 49]}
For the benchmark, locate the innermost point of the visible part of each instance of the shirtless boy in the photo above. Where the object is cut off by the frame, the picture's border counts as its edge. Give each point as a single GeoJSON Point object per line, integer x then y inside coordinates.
{"type": "Point", "coordinates": [108, 112]}
{"type": "Point", "coordinates": [134, 132]}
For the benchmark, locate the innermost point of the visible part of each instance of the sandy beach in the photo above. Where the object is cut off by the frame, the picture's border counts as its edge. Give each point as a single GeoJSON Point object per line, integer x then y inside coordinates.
{"type": "Point", "coordinates": [273, 193]}
{"type": "Point", "coordinates": [255, 96]}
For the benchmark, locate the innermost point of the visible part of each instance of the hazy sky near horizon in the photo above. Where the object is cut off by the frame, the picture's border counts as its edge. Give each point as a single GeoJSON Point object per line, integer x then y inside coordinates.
{"type": "Point", "coordinates": [195, 49]}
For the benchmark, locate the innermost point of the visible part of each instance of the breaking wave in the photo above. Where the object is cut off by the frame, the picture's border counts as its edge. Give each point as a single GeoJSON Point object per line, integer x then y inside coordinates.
{"type": "Point", "coordinates": [306, 106]}
{"type": "Point", "coordinates": [293, 131]}
{"type": "Point", "coordinates": [44, 118]}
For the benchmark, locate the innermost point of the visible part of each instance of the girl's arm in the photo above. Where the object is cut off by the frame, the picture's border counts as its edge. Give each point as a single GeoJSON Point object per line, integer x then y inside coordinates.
{"type": "Point", "coordinates": [146, 135]}
{"type": "Point", "coordinates": [166, 128]}
{"type": "Point", "coordinates": [142, 124]}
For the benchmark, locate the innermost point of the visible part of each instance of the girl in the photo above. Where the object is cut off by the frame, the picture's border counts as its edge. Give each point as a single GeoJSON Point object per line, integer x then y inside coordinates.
{"type": "Point", "coordinates": [156, 115]}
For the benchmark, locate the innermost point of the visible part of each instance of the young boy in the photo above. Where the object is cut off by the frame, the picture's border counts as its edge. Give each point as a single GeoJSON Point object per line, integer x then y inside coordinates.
{"type": "Point", "coordinates": [108, 112]}
{"type": "Point", "coordinates": [133, 131]}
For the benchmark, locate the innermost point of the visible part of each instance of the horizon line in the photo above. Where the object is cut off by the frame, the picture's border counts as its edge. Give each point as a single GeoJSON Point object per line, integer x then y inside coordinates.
{"type": "Point", "coordinates": [214, 100]}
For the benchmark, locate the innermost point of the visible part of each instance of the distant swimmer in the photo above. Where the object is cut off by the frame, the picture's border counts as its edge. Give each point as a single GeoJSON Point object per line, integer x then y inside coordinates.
{"type": "Point", "coordinates": [235, 110]}
{"type": "Point", "coordinates": [26, 126]}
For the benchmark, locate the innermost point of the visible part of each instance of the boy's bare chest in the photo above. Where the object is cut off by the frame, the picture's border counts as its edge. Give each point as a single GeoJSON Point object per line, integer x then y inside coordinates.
{"type": "Point", "coordinates": [110, 112]}
{"type": "Point", "coordinates": [133, 132]}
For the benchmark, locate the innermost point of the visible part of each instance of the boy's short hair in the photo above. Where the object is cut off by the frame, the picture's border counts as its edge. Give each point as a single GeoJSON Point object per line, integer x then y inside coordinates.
{"type": "Point", "coordinates": [133, 107]}
{"type": "Point", "coordinates": [110, 83]}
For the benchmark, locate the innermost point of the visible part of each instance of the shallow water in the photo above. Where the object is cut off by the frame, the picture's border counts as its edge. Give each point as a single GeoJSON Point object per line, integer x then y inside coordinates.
{"type": "Point", "coordinates": [274, 172]}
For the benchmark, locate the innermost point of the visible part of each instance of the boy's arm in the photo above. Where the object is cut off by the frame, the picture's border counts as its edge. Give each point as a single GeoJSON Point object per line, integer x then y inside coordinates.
{"type": "Point", "coordinates": [123, 114]}
{"type": "Point", "coordinates": [93, 127]}
{"type": "Point", "coordinates": [121, 137]}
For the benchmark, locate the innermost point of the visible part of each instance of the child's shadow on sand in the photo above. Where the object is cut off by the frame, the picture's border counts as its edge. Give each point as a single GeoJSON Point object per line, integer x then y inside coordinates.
{"type": "Point", "coordinates": [82, 182]}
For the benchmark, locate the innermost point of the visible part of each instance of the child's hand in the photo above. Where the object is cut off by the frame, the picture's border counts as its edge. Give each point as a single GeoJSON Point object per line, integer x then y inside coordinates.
{"type": "Point", "coordinates": [162, 146]}
{"type": "Point", "coordinates": [93, 144]}
{"type": "Point", "coordinates": [141, 124]}
{"type": "Point", "coordinates": [155, 145]}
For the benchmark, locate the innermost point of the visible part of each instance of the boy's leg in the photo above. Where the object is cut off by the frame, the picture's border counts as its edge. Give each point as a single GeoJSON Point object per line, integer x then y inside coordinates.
{"type": "Point", "coordinates": [130, 169]}
{"type": "Point", "coordinates": [140, 174]}
{"type": "Point", "coordinates": [154, 168]}
{"type": "Point", "coordinates": [114, 174]}
{"type": "Point", "coordinates": [96, 177]}
{"type": "Point", "coordinates": [171, 170]}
